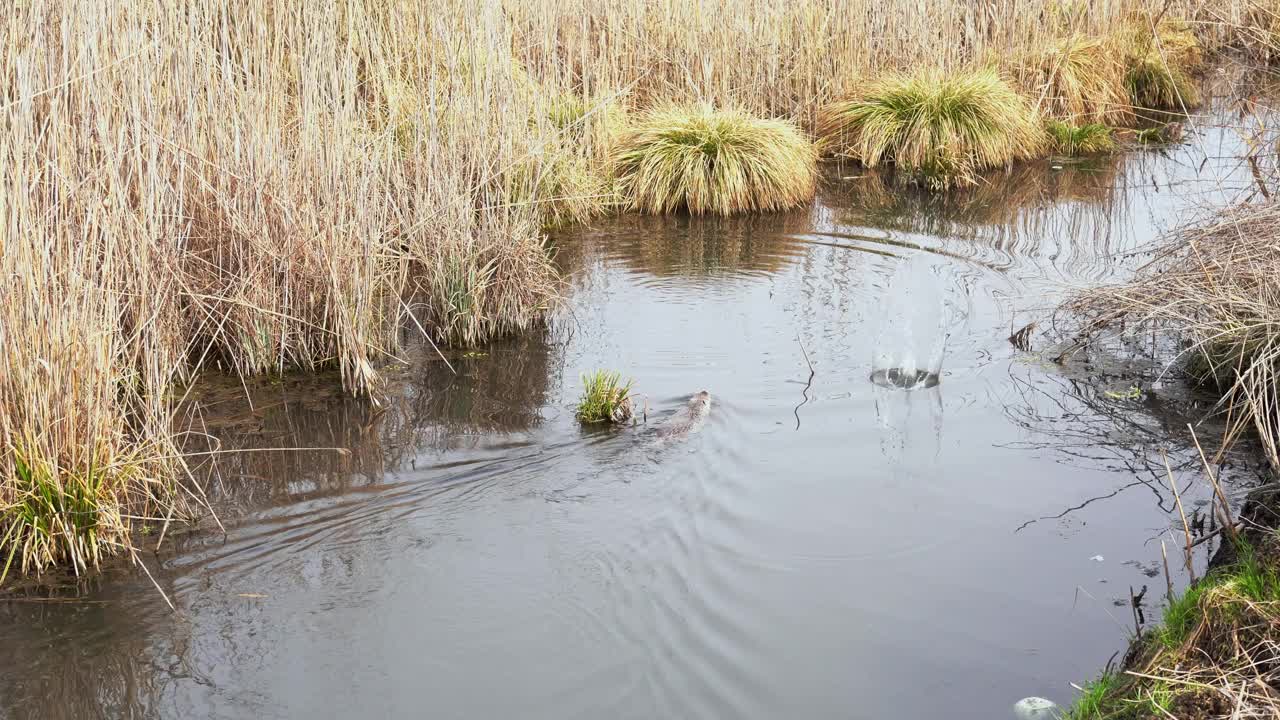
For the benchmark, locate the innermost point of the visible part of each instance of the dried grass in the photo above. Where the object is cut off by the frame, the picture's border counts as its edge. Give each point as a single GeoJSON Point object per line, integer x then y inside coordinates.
{"type": "Point", "coordinates": [1077, 79]}
{"type": "Point", "coordinates": [1214, 293]}
{"type": "Point", "coordinates": [937, 130]}
{"type": "Point", "coordinates": [713, 161]}
{"type": "Point", "coordinates": [1260, 30]}
{"type": "Point", "coordinates": [1161, 58]}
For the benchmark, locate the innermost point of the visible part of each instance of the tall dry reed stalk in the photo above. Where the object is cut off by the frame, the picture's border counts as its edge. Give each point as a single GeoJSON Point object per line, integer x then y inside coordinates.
{"type": "Point", "coordinates": [791, 57]}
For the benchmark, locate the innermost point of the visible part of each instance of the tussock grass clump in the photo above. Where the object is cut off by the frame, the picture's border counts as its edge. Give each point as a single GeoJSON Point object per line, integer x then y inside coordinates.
{"type": "Point", "coordinates": [55, 515]}
{"type": "Point", "coordinates": [1078, 79]}
{"type": "Point", "coordinates": [1215, 655]}
{"type": "Point", "coordinates": [1213, 296]}
{"type": "Point", "coordinates": [605, 398]}
{"type": "Point", "coordinates": [713, 161]}
{"type": "Point", "coordinates": [1090, 139]}
{"type": "Point", "coordinates": [564, 188]}
{"type": "Point", "coordinates": [938, 130]}
{"type": "Point", "coordinates": [1160, 66]}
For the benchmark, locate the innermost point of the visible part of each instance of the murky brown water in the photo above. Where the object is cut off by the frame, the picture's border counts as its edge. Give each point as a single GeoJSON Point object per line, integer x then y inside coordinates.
{"type": "Point", "coordinates": [824, 547]}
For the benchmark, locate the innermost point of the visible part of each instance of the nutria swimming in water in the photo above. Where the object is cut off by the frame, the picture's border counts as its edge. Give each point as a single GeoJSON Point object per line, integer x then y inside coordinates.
{"type": "Point", "coordinates": [687, 419]}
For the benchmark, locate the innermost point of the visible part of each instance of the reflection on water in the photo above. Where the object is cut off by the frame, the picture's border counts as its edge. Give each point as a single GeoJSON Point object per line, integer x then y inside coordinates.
{"type": "Point", "coordinates": [911, 425]}
{"type": "Point", "coordinates": [708, 247]}
{"type": "Point", "coordinates": [328, 442]}
{"type": "Point", "coordinates": [827, 545]}
{"type": "Point", "coordinates": [1010, 205]}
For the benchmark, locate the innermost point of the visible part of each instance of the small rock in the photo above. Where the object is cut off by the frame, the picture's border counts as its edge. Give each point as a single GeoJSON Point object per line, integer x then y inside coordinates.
{"type": "Point", "coordinates": [1036, 708]}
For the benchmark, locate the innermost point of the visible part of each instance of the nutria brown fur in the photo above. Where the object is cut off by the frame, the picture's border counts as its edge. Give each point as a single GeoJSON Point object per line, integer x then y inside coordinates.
{"type": "Point", "coordinates": [687, 419]}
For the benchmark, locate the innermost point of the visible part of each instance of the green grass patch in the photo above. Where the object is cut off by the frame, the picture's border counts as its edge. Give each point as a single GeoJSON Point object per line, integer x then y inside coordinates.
{"type": "Point", "coordinates": [1181, 618]}
{"type": "Point", "coordinates": [54, 515]}
{"type": "Point", "coordinates": [938, 130]}
{"type": "Point", "coordinates": [1093, 698]}
{"type": "Point", "coordinates": [1219, 633]}
{"type": "Point", "coordinates": [1091, 139]}
{"type": "Point", "coordinates": [605, 398]}
{"type": "Point", "coordinates": [1105, 699]}
{"type": "Point", "coordinates": [711, 161]}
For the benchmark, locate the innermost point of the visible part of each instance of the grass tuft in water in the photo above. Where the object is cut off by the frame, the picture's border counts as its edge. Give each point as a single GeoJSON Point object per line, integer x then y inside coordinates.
{"type": "Point", "coordinates": [605, 398]}
{"type": "Point", "coordinates": [1091, 139]}
{"type": "Point", "coordinates": [1079, 79]}
{"type": "Point", "coordinates": [711, 161]}
{"type": "Point", "coordinates": [1092, 698]}
{"type": "Point", "coordinates": [938, 130]}
{"type": "Point", "coordinates": [1159, 67]}
{"type": "Point", "coordinates": [52, 515]}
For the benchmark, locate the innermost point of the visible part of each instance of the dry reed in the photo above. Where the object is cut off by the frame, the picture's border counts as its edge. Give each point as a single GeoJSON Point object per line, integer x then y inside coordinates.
{"type": "Point", "coordinates": [935, 129]}
{"type": "Point", "coordinates": [714, 161]}
{"type": "Point", "coordinates": [1214, 294]}
{"type": "Point", "coordinates": [1078, 79]}
{"type": "Point", "coordinates": [246, 186]}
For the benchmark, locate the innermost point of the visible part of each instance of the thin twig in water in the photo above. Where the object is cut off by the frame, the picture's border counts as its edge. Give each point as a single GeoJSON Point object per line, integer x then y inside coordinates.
{"type": "Point", "coordinates": [1186, 529]}
{"type": "Point", "coordinates": [159, 589]}
{"type": "Point", "coordinates": [1220, 503]}
{"type": "Point", "coordinates": [1135, 604]}
{"type": "Point", "coordinates": [808, 383]}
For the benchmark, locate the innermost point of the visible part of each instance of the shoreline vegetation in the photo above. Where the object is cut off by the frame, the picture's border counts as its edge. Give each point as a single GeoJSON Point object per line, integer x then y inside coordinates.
{"type": "Point", "coordinates": [1207, 306]}
{"type": "Point", "coordinates": [252, 188]}
{"type": "Point", "coordinates": [1216, 653]}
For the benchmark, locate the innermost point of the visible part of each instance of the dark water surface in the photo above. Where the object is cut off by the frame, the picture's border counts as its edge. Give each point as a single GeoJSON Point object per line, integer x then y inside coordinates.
{"type": "Point", "coordinates": [825, 546]}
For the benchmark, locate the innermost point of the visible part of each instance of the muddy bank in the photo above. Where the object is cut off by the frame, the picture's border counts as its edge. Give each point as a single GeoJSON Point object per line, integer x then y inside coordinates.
{"type": "Point", "coordinates": [1216, 652]}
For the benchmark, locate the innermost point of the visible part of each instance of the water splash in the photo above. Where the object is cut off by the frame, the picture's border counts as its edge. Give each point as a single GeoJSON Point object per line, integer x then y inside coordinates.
{"type": "Point", "coordinates": [925, 306]}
